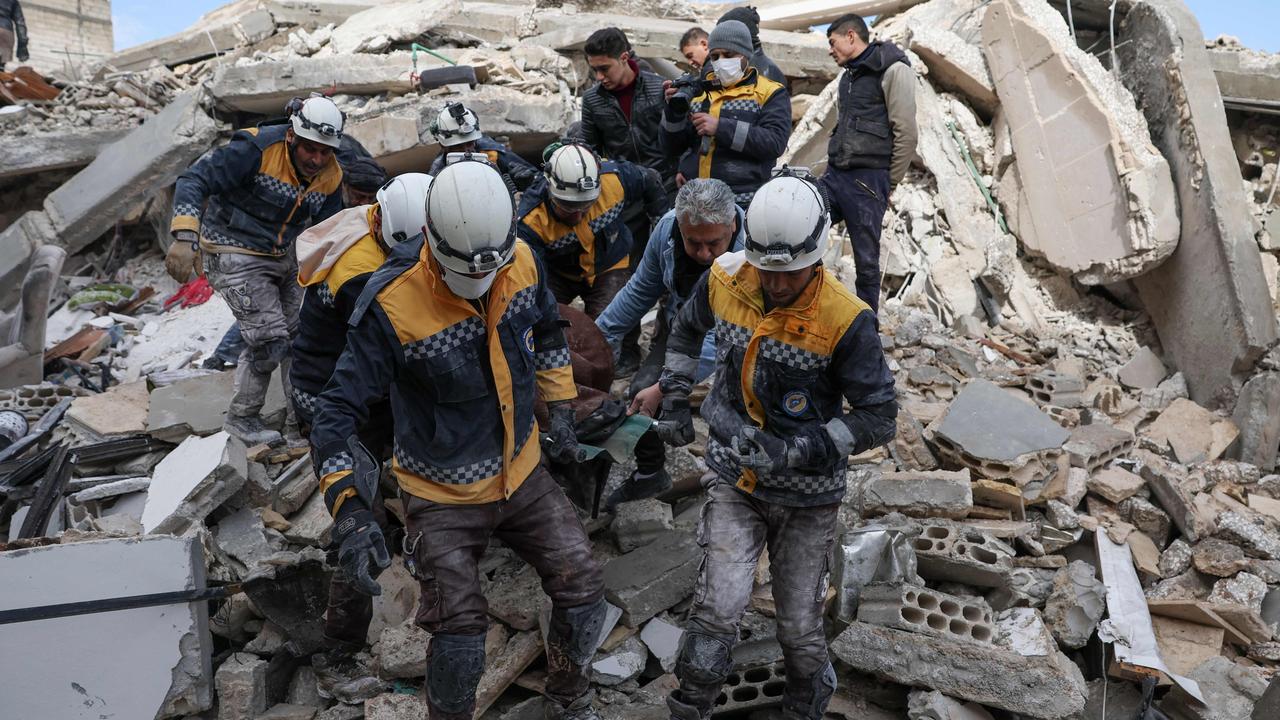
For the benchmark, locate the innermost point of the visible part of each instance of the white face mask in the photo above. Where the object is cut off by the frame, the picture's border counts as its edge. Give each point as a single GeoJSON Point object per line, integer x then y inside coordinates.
{"type": "Point", "coordinates": [728, 70]}
{"type": "Point", "coordinates": [468, 288]}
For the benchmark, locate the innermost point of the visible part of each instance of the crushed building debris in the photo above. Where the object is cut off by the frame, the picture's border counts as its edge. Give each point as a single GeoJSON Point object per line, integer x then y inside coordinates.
{"type": "Point", "coordinates": [1081, 288]}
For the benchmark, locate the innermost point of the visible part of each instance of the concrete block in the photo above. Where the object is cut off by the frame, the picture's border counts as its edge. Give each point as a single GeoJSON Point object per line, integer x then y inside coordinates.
{"type": "Point", "coordinates": [1176, 559]}
{"type": "Point", "coordinates": [920, 609]}
{"type": "Point", "coordinates": [1101, 195]}
{"type": "Point", "coordinates": [1191, 432]}
{"type": "Point", "coordinates": [663, 640]}
{"type": "Point", "coordinates": [121, 410]}
{"type": "Point", "coordinates": [1144, 370]}
{"type": "Point", "coordinates": [933, 705]}
{"type": "Point", "coordinates": [402, 651]}
{"type": "Point", "coordinates": [1213, 338]}
{"type": "Point", "coordinates": [936, 493]}
{"type": "Point", "coordinates": [1169, 489]}
{"type": "Point", "coordinates": [129, 171]}
{"type": "Point", "coordinates": [194, 480]}
{"type": "Point", "coordinates": [622, 664]}
{"type": "Point", "coordinates": [1257, 415]}
{"type": "Point", "coordinates": [944, 552]}
{"type": "Point", "coordinates": [265, 87]}
{"type": "Point", "coordinates": [1115, 484]}
{"type": "Point", "coordinates": [996, 434]}
{"type": "Point", "coordinates": [199, 406]}
{"type": "Point", "coordinates": [640, 522]}
{"type": "Point", "coordinates": [1217, 557]}
{"type": "Point", "coordinates": [139, 663]}
{"type": "Point", "coordinates": [1092, 446]}
{"type": "Point", "coordinates": [1053, 388]}
{"type": "Point", "coordinates": [55, 151]}
{"type": "Point", "coordinates": [1048, 687]}
{"type": "Point", "coordinates": [956, 66]}
{"type": "Point", "coordinates": [200, 41]}
{"type": "Point", "coordinates": [647, 581]}
{"type": "Point", "coordinates": [312, 524]}
{"type": "Point", "coordinates": [1076, 604]}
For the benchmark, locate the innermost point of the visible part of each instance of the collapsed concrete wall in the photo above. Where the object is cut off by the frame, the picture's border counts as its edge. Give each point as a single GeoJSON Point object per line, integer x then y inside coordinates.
{"type": "Point", "coordinates": [1102, 199]}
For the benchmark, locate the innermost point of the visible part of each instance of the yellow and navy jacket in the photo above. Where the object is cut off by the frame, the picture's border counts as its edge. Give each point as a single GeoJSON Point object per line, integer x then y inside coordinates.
{"type": "Point", "coordinates": [462, 381]}
{"type": "Point", "coordinates": [788, 370]}
{"type": "Point", "coordinates": [256, 202]}
{"type": "Point", "coordinates": [601, 241]}
{"type": "Point", "coordinates": [517, 173]}
{"type": "Point", "coordinates": [755, 124]}
{"type": "Point", "coordinates": [327, 305]}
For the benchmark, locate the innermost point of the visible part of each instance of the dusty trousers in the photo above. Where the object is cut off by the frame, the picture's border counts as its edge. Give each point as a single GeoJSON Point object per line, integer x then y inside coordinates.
{"type": "Point", "coordinates": [859, 197]}
{"type": "Point", "coordinates": [445, 543]}
{"type": "Point", "coordinates": [264, 295]}
{"type": "Point", "coordinates": [734, 529]}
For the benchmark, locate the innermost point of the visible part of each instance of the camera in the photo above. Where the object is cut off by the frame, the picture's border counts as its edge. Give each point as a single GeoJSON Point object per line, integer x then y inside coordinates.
{"type": "Point", "coordinates": [688, 86]}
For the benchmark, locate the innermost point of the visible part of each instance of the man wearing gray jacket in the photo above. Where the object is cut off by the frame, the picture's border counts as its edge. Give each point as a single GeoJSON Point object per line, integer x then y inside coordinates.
{"type": "Point", "coordinates": [873, 142]}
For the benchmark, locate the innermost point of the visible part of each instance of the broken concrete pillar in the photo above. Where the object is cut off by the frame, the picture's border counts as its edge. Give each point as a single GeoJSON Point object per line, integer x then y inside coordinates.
{"type": "Point", "coordinates": [149, 662]}
{"type": "Point", "coordinates": [923, 610]}
{"type": "Point", "coordinates": [72, 148]}
{"type": "Point", "coordinates": [192, 481]}
{"type": "Point", "coordinates": [1076, 604]}
{"type": "Point", "coordinates": [1102, 198]}
{"type": "Point", "coordinates": [265, 87]}
{"type": "Point", "coordinates": [937, 493]}
{"type": "Point", "coordinates": [956, 66]}
{"type": "Point", "coordinates": [1214, 338]}
{"type": "Point", "coordinates": [647, 581]}
{"type": "Point", "coordinates": [1048, 687]}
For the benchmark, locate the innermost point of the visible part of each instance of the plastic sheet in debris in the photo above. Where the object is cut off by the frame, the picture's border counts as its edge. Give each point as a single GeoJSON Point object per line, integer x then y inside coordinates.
{"type": "Point", "coordinates": [874, 553]}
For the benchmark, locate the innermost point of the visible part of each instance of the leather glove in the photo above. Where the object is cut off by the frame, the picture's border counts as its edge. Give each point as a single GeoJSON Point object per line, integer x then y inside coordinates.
{"type": "Point", "coordinates": [23, 55]}
{"type": "Point", "coordinates": [675, 420]}
{"type": "Point", "coordinates": [180, 261]}
{"type": "Point", "coordinates": [362, 551]}
{"type": "Point", "coordinates": [762, 451]}
{"type": "Point", "coordinates": [561, 444]}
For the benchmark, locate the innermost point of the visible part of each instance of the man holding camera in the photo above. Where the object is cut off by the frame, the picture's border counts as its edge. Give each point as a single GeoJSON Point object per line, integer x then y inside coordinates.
{"type": "Point", "coordinates": [735, 121]}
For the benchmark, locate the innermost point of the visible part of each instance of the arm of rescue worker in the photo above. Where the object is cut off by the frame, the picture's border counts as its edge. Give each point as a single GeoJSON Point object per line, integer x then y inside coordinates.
{"type": "Point", "coordinates": [218, 171]}
{"type": "Point", "coordinates": [644, 185]}
{"type": "Point", "coordinates": [899, 83]}
{"type": "Point", "coordinates": [551, 362]}
{"type": "Point", "coordinates": [641, 292]}
{"type": "Point", "coordinates": [20, 32]}
{"type": "Point", "coordinates": [522, 172]}
{"type": "Point", "coordinates": [676, 134]}
{"type": "Point", "coordinates": [766, 138]}
{"type": "Point", "coordinates": [684, 345]}
{"type": "Point", "coordinates": [859, 369]}
{"type": "Point", "coordinates": [363, 374]}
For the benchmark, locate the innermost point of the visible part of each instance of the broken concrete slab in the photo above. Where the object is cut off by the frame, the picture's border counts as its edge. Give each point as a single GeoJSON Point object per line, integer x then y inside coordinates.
{"type": "Point", "coordinates": [663, 640]}
{"type": "Point", "coordinates": [937, 493]}
{"type": "Point", "coordinates": [1213, 339]}
{"type": "Point", "coordinates": [376, 29]}
{"type": "Point", "coordinates": [192, 481]}
{"type": "Point", "coordinates": [956, 66]}
{"type": "Point", "coordinates": [1144, 370]}
{"type": "Point", "coordinates": [1048, 687]}
{"type": "Point", "coordinates": [1184, 645]}
{"type": "Point", "coordinates": [995, 434]}
{"type": "Point", "coordinates": [402, 651]}
{"type": "Point", "coordinates": [1191, 432]}
{"type": "Point", "coordinates": [647, 581]}
{"type": "Point", "coordinates": [55, 151]}
{"type": "Point", "coordinates": [121, 410]}
{"type": "Point", "coordinates": [1230, 692]}
{"type": "Point", "coordinates": [1168, 488]}
{"type": "Point", "coordinates": [1076, 605]}
{"type": "Point", "coordinates": [933, 705]}
{"type": "Point", "coordinates": [198, 406]}
{"type": "Point", "coordinates": [393, 141]}
{"type": "Point", "coordinates": [621, 664]}
{"type": "Point", "coordinates": [138, 663]}
{"type": "Point", "coordinates": [242, 536]}
{"type": "Point", "coordinates": [1257, 416]}
{"type": "Point", "coordinates": [1115, 484]}
{"type": "Point", "coordinates": [1097, 187]}
{"type": "Point", "coordinates": [640, 522]}
{"type": "Point", "coordinates": [199, 41]}
{"type": "Point", "coordinates": [1247, 80]}
{"type": "Point", "coordinates": [923, 610]}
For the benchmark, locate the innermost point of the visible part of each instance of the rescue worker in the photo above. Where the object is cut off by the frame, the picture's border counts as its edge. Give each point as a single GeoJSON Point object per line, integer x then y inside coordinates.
{"type": "Point", "coordinates": [13, 32]}
{"type": "Point", "coordinates": [457, 130]}
{"type": "Point", "coordinates": [460, 330]}
{"type": "Point", "coordinates": [704, 225]}
{"type": "Point", "coordinates": [873, 142]}
{"type": "Point", "coordinates": [750, 17]}
{"type": "Point", "coordinates": [735, 131]}
{"type": "Point", "coordinates": [793, 346]}
{"type": "Point", "coordinates": [574, 219]}
{"type": "Point", "coordinates": [263, 188]}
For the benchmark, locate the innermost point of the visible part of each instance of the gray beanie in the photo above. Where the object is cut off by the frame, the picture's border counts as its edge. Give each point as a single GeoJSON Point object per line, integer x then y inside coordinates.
{"type": "Point", "coordinates": [731, 35]}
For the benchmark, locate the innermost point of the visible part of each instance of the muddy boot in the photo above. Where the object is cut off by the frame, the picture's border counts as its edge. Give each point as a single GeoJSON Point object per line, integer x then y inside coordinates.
{"type": "Point", "coordinates": [293, 436]}
{"type": "Point", "coordinates": [639, 486]}
{"type": "Point", "coordinates": [251, 430]}
{"type": "Point", "coordinates": [454, 666]}
{"type": "Point", "coordinates": [346, 676]}
{"type": "Point", "coordinates": [572, 640]}
{"type": "Point", "coordinates": [807, 698]}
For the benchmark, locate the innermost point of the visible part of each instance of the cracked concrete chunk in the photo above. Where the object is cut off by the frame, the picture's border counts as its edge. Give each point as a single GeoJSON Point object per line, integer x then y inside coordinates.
{"type": "Point", "coordinates": [1076, 605]}
{"type": "Point", "coordinates": [198, 406]}
{"type": "Point", "coordinates": [241, 681]}
{"type": "Point", "coordinates": [937, 493]}
{"type": "Point", "coordinates": [955, 65]}
{"type": "Point", "coordinates": [395, 706]}
{"type": "Point", "coordinates": [1144, 370]}
{"type": "Point", "coordinates": [402, 651]}
{"type": "Point", "coordinates": [1220, 558]}
{"type": "Point", "coordinates": [992, 426]}
{"type": "Point", "coordinates": [647, 581]}
{"type": "Point", "coordinates": [266, 86]}
{"type": "Point", "coordinates": [1230, 692]}
{"type": "Point", "coordinates": [1176, 559]}
{"type": "Point", "coordinates": [377, 28]}
{"type": "Point", "coordinates": [159, 656]}
{"type": "Point", "coordinates": [1102, 199]}
{"type": "Point", "coordinates": [1115, 484]}
{"type": "Point", "coordinates": [1193, 433]}
{"type": "Point", "coordinates": [640, 522]}
{"type": "Point", "coordinates": [663, 640]}
{"type": "Point", "coordinates": [192, 481]}
{"type": "Point", "coordinates": [621, 665]}
{"type": "Point", "coordinates": [933, 705]}
{"type": "Point", "coordinates": [1244, 589]}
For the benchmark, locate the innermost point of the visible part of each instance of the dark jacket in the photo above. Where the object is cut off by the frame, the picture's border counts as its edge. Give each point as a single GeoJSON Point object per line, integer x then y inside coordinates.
{"type": "Point", "coordinates": [517, 172]}
{"type": "Point", "coordinates": [462, 383]}
{"type": "Point", "coordinates": [803, 363]}
{"type": "Point", "coordinates": [605, 128]}
{"type": "Point", "coordinates": [602, 241]}
{"type": "Point", "coordinates": [875, 127]}
{"type": "Point", "coordinates": [256, 202]}
{"type": "Point", "coordinates": [755, 124]}
{"type": "Point", "coordinates": [767, 67]}
{"type": "Point", "coordinates": [11, 19]}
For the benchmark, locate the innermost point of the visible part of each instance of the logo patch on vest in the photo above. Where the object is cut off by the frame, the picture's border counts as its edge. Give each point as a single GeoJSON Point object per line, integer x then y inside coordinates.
{"type": "Point", "coordinates": [528, 341]}
{"type": "Point", "coordinates": [795, 403]}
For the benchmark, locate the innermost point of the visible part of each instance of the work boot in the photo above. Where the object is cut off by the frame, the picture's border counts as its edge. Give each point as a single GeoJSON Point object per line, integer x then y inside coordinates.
{"type": "Point", "coordinates": [293, 436]}
{"type": "Point", "coordinates": [251, 430]}
{"type": "Point", "coordinates": [580, 709]}
{"type": "Point", "coordinates": [639, 486]}
{"type": "Point", "coordinates": [807, 698]}
{"type": "Point", "coordinates": [346, 676]}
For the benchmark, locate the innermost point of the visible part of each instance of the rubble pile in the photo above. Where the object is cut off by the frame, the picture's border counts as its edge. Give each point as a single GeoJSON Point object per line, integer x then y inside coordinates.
{"type": "Point", "coordinates": [1079, 510]}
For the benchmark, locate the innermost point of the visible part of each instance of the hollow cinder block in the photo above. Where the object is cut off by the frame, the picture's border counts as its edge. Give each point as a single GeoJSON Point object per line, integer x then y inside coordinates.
{"type": "Point", "coordinates": [920, 609]}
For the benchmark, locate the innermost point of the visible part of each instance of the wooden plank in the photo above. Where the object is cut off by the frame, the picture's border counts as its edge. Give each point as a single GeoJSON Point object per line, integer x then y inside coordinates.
{"type": "Point", "coordinates": [503, 670]}
{"type": "Point", "coordinates": [1184, 645]}
{"type": "Point", "coordinates": [1197, 611]}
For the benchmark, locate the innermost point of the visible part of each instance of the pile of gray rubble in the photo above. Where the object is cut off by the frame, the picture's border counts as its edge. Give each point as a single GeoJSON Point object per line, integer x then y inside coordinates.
{"type": "Point", "coordinates": [1079, 516]}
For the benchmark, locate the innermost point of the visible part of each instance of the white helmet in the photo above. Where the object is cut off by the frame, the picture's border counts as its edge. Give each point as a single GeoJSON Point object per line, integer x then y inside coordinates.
{"type": "Point", "coordinates": [319, 120]}
{"type": "Point", "coordinates": [787, 224]}
{"type": "Point", "coordinates": [573, 174]}
{"type": "Point", "coordinates": [470, 223]}
{"type": "Point", "coordinates": [456, 124]}
{"type": "Point", "coordinates": [404, 207]}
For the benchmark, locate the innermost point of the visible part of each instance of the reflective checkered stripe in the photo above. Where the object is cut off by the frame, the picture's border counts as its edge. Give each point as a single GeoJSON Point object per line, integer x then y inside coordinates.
{"type": "Point", "coordinates": [314, 201]}
{"type": "Point", "coordinates": [564, 242]}
{"type": "Point", "coordinates": [466, 474]}
{"type": "Point", "coordinates": [337, 462]}
{"type": "Point", "coordinates": [521, 301]}
{"type": "Point", "coordinates": [186, 209]}
{"type": "Point", "coordinates": [305, 401]}
{"type": "Point", "coordinates": [211, 234]}
{"type": "Point", "coordinates": [551, 359]}
{"type": "Point", "coordinates": [324, 294]}
{"type": "Point", "coordinates": [605, 219]}
{"type": "Point", "coordinates": [450, 338]}
{"type": "Point", "coordinates": [791, 356]}
{"type": "Point", "coordinates": [724, 463]}
{"type": "Point", "coordinates": [740, 105]}
{"type": "Point", "coordinates": [276, 186]}
{"type": "Point", "coordinates": [743, 199]}
{"type": "Point", "coordinates": [736, 335]}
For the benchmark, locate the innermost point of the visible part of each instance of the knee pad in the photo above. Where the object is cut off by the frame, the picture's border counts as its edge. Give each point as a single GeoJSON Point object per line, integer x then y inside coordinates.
{"type": "Point", "coordinates": [576, 631]}
{"type": "Point", "coordinates": [704, 658]}
{"type": "Point", "coordinates": [809, 698]}
{"type": "Point", "coordinates": [453, 671]}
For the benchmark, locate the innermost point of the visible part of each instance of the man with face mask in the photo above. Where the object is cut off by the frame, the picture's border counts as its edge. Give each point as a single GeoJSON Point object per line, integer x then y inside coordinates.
{"type": "Point", "coordinates": [262, 189]}
{"type": "Point", "coordinates": [750, 17]}
{"type": "Point", "coordinates": [793, 347]}
{"type": "Point", "coordinates": [736, 131]}
{"type": "Point", "coordinates": [460, 330]}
